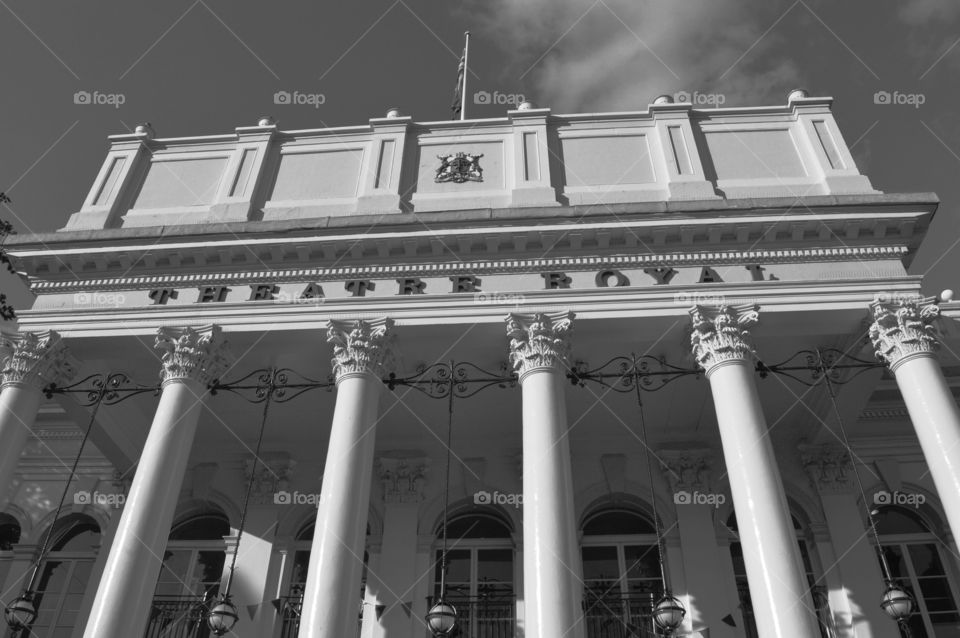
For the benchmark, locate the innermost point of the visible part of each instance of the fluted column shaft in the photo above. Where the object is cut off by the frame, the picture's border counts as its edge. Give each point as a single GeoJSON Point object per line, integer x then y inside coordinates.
{"type": "Point", "coordinates": [362, 352]}
{"type": "Point", "coordinates": [778, 587]}
{"type": "Point", "coordinates": [191, 359]}
{"type": "Point", "coordinates": [32, 361]}
{"type": "Point", "coordinates": [552, 582]}
{"type": "Point", "coordinates": [903, 336]}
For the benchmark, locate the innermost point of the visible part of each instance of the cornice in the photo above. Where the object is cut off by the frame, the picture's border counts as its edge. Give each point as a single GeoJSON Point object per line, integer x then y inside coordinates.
{"type": "Point", "coordinates": [773, 296]}
{"type": "Point", "coordinates": [127, 281]}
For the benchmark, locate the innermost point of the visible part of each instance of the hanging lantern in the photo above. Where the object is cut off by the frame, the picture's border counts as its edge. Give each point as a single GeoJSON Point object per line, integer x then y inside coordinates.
{"type": "Point", "coordinates": [896, 602]}
{"type": "Point", "coordinates": [21, 613]}
{"type": "Point", "coordinates": [222, 617]}
{"type": "Point", "coordinates": [668, 613]}
{"type": "Point", "coordinates": [442, 619]}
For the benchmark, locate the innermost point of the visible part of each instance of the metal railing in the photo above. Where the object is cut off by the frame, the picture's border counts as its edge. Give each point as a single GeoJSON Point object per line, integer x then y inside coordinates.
{"type": "Point", "coordinates": [290, 610]}
{"type": "Point", "coordinates": [619, 616]}
{"type": "Point", "coordinates": [178, 617]}
{"type": "Point", "coordinates": [484, 617]}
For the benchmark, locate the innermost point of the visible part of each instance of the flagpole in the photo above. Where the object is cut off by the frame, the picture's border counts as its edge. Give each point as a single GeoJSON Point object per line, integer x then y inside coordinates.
{"type": "Point", "coordinates": [463, 95]}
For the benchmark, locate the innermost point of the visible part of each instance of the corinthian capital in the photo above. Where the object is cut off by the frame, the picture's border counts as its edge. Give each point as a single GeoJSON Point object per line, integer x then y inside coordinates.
{"type": "Point", "coordinates": [37, 359]}
{"type": "Point", "coordinates": [828, 467]}
{"type": "Point", "coordinates": [539, 341]}
{"type": "Point", "coordinates": [687, 470]}
{"type": "Point", "coordinates": [719, 333]}
{"type": "Point", "coordinates": [902, 328]}
{"type": "Point", "coordinates": [361, 347]}
{"type": "Point", "coordinates": [199, 354]}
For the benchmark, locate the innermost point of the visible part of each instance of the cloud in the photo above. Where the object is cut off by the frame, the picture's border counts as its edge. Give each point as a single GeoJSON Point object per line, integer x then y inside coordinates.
{"type": "Point", "coordinates": [922, 12]}
{"type": "Point", "coordinates": [578, 55]}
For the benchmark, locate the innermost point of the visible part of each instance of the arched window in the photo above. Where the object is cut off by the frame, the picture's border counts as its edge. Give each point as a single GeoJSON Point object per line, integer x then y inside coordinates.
{"type": "Point", "coordinates": [9, 532]}
{"type": "Point", "coordinates": [621, 571]}
{"type": "Point", "coordinates": [743, 589]}
{"type": "Point", "coordinates": [190, 575]}
{"type": "Point", "coordinates": [917, 563]}
{"type": "Point", "coordinates": [479, 573]}
{"type": "Point", "coordinates": [65, 575]}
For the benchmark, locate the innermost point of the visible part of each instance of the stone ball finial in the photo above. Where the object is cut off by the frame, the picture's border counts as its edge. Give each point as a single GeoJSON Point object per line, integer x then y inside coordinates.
{"type": "Point", "coordinates": [526, 105]}
{"type": "Point", "coordinates": [946, 295]}
{"type": "Point", "coordinates": [797, 94]}
{"type": "Point", "coordinates": [266, 120]}
{"type": "Point", "coordinates": [144, 129]}
{"type": "Point", "coordinates": [663, 99]}
{"type": "Point", "coordinates": [393, 113]}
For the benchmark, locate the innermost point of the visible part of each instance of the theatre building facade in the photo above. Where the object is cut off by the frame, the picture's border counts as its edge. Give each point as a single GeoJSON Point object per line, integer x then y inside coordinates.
{"type": "Point", "coordinates": [611, 375]}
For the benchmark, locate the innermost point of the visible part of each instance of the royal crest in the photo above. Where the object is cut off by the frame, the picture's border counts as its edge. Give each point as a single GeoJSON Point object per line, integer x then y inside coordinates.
{"type": "Point", "coordinates": [459, 168]}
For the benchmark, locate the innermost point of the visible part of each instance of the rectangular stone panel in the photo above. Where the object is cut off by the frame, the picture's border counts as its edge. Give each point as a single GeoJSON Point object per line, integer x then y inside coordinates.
{"type": "Point", "coordinates": [600, 161]}
{"type": "Point", "coordinates": [181, 182]}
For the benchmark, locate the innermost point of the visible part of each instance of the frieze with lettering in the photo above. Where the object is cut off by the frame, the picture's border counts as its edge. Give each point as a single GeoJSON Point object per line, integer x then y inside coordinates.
{"type": "Point", "coordinates": [489, 285]}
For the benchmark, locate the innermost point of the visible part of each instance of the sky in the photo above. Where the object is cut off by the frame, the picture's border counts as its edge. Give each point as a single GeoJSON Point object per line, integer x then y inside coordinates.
{"type": "Point", "coordinates": [76, 72]}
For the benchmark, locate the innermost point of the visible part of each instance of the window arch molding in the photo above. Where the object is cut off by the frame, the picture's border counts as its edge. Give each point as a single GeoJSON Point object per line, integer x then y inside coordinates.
{"type": "Point", "coordinates": [635, 496]}
{"type": "Point", "coordinates": [931, 512]}
{"type": "Point", "coordinates": [431, 517]}
{"type": "Point", "coordinates": [212, 502]}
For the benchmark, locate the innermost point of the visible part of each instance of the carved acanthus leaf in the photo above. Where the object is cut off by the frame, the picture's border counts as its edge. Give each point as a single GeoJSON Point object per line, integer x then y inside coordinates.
{"type": "Point", "coordinates": [199, 354]}
{"type": "Point", "coordinates": [362, 347]}
{"type": "Point", "coordinates": [903, 327]}
{"type": "Point", "coordinates": [719, 333]}
{"type": "Point", "coordinates": [539, 341]}
{"type": "Point", "coordinates": [828, 467]}
{"type": "Point", "coordinates": [37, 359]}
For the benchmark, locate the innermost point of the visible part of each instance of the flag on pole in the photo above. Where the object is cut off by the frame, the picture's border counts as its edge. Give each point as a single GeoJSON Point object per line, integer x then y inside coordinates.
{"type": "Point", "coordinates": [458, 92]}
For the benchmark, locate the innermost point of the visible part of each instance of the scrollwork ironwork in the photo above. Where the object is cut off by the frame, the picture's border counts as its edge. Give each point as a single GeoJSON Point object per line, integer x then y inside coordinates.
{"type": "Point", "coordinates": [835, 365]}
{"type": "Point", "coordinates": [624, 374]}
{"type": "Point", "coordinates": [280, 384]}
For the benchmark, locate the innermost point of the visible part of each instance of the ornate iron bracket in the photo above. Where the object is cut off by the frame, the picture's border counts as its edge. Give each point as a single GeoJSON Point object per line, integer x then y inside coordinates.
{"type": "Point", "coordinates": [463, 378]}
{"type": "Point", "coordinates": [834, 365]}
{"type": "Point", "coordinates": [280, 384]}
{"type": "Point", "coordinates": [106, 389]}
{"type": "Point", "coordinates": [624, 374]}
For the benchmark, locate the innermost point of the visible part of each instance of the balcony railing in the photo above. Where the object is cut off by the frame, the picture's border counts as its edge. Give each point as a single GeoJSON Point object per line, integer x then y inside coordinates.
{"type": "Point", "coordinates": [484, 617]}
{"type": "Point", "coordinates": [178, 617]}
{"type": "Point", "coordinates": [290, 610]}
{"type": "Point", "coordinates": [619, 616]}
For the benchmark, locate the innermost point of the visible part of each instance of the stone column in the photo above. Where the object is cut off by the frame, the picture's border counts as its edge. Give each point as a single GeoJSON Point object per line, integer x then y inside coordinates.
{"type": "Point", "coordinates": [688, 473]}
{"type": "Point", "coordinates": [32, 362]}
{"type": "Point", "coordinates": [778, 587]}
{"type": "Point", "coordinates": [403, 479]}
{"type": "Point", "coordinates": [362, 353]}
{"type": "Point", "coordinates": [191, 359]}
{"type": "Point", "coordinates": [854, 604]}
{"type": "Point", "coordinates": [553, 585]}
{"type": "Point", "coordinates": [904, 338]}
